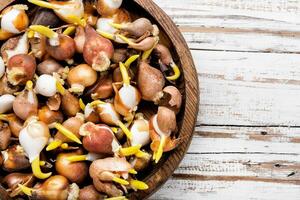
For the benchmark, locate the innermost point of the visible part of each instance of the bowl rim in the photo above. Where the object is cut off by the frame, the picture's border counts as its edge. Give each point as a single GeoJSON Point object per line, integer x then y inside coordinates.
{"type": "Point", "coordinates": [156, 180]}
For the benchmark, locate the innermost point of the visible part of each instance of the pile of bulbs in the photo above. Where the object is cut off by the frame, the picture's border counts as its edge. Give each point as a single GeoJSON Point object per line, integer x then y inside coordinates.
{"type": "Point", "coordinates": [72, 80]}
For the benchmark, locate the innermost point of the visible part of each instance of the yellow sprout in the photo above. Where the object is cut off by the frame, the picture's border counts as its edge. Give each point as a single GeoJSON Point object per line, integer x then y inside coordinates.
{"type": "Point", "coordinates": [129, 151]}
{"type": "Point", "coordinates": [138, 185]}
{"type": "Point", "coordinates": [44, 31]}
{"type": "Point", "coordinates": [130, 60]}
{"type": "Point", "coordinates": [77, 158]}
{"type": "Point", "coordinates": [54, 145]}
{"type": "Point", "coordinates": [120, 181]}
{"type": "Point", "coordinates": [36, 169]}
{"type": "Point", "coordinates": [70, 30]}
{"type": "Point", "coordinates": [176, 73]}
{"type": "Point", "coordinates": [67, 133]}
{"type": "Point", "coordinates": [81, 104]}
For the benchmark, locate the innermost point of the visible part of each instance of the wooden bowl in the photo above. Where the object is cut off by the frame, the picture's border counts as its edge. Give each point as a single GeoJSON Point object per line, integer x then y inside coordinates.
{"type": "Point", "coordinates": [188, 85]}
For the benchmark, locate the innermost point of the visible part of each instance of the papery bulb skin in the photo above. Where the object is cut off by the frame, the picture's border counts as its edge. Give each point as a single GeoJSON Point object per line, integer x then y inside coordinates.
{"type": "Point", "coordinates": [110, 164]}
{"type": "Point", "coordinates": [120, 55]}
{"type": "Point", "coordinates": [14, 46]}
{"type": "Point", "coordinates": [38, 45]}
{"type": "Point", "coordinates": [166, 120]}
{"type": "Point", "coordinates": [175, 99]}
{"type": "Point", "coordinates": [56, 187]}
{"type": "Point", "coordinates": [144, 45]}
{"type": "Point", "coordinates": [6, 87]}
{"type": "Point", "coordinates": [102, 171]}
{"type": "Point", "coordinates": [117, 76]}
{"type": "Point", "coordinates": [14, 159]}
{"type": "Point", "coordinates": [89, 193]}
{"type": "Point", "coordinates": [5, 136]}
{"type": "Point", "coordinates": [80, 77]}
{"type": "Point", "coordinates": [79, 39]}
{"type": "Point", "coordinates": [49, 66]}
{"type": "Point", "coordinates": [49, 117]}
{"type": "Point", "coordinates": [103, 88]}
{"type": "Point", "coordinates": [161, 126]}
{"type": "Point", "coordinates": [12, 181]}
{"type": "Point", "coordinates": [97, 50]}
{"type": "Point", "coordinates": [64, 51]}
{"type": "Point", "coordinates": [20, 69]}
{"type": "Point", "coordinates": [70, 104]}
{"type": "Point", "coordinates": [15, 124]}
{"type": "Point", "coordinates": [150, 82]}
{"type": "Point", "coordinates": [75, 172]}
{"type": "Point", "coordinates": [1, 160]}
{"type": "Point", "coordinates": [4, 35]}
{"type": "Point", "coordinates": [142, 163]}
{"type": "Point", "coordinates": [108, 114]}
{"type": "Point", "coordinates": [98, 138]}
{"type": "Point", "coordinates": [90, 114]}
{"type": "Point", "coordinates": [164, 54]}
{"type": "Point", "coordinates": [26, 104]}
{"type": "Point", "coordinates": [139, 27]}
{"type": "Point", "coordinates": [54, 102]}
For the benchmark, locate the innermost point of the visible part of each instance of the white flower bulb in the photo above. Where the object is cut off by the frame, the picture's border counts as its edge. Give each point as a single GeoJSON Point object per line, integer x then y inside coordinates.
{"type": "Point", "coordinates": [108, 110]}
{"type": "Point", "coordinates": [128, 95]}
{"type": "Point", "coordinates": [70, 8]}
{"type": "Point", "coordinates": [2, 67]}
{"type": "Point", "coordinates": [113, 4]}
{"type": "Point", "coordinates": [140, 132]}
{"type": "Point", "coordinates": [33, 138]}
{"type": "Point", "coordinates": [6, 103]}
{"type": "Point", "coordinates": [103, 24]}
{"type": "Point", "coordinates": [11, 18]}
{"type": "Point", "coordinates": [46, 85]}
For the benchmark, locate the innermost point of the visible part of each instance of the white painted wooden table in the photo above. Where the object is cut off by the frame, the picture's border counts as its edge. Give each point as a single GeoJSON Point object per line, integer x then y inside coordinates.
{"type": "Point", "coordinates": [247, 140]}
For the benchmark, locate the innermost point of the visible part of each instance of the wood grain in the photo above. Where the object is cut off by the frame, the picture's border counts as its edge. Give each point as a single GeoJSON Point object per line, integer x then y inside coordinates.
{"type": "Point", "coordinates": [268, 26]}
{"type": "Point", "coordinates": [222, 160]}
{"type": "Point", "coordinates": [246, 57]}
{"type": "Point", "coordinates": [251, 89]}
{"type": "Point", "coordinates": [178, 189]}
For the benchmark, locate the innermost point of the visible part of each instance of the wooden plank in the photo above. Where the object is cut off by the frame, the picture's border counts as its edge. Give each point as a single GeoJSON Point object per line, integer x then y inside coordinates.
{"type": "Point", "coordinates": [220, 140]}
{"type": "Point", "coordinates": [178, 189]}
{"type": "Point", "coordinates": [227, 24]}
{"type": "Point", "coordinates": [251, 89]}
{"type": "Point", "coordinates": [223, 159]}
{"type": "Point", "coordinates": [218, 39]}
{"type": "Point", "coordinates": [260, 167]}
{"type": "Point", "coordinates": [259, 14]}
